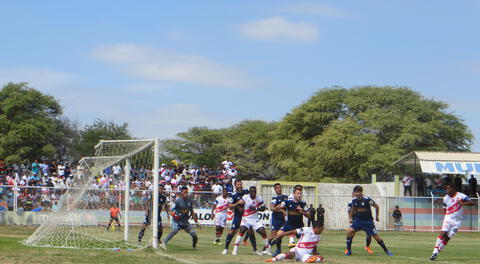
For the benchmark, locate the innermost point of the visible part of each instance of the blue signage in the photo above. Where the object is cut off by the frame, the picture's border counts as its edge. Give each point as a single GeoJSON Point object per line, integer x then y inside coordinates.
{"type": "Point", "coordinates": [457, 167]}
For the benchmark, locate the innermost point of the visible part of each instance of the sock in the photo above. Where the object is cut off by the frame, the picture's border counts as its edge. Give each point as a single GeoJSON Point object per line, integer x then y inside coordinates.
{"type": "Point", "coordinates": [438, 243]}
{"type": "Point", "coordinates": [194, 238]}
{"type": "Point", "coordinates": [292, 239]}
{"type": "Point", "coordinates": [140, 234]}
{"type": "Point", "coordinates": [238, 240]}
{"type": "Point", "coordinates": [442, 246]}
{"type": "Point", "coordinates": [383, 246]}
{"type": "Point", "coordinates": [349, 243]}
{"type": "Point", "coordinates": [279, 244]}
{"type": "Point", "coordinates": [279, 257]}
{"type": "Point", "coordinates": [228, 240]}
{"type": "Point", "coordinates": [265, 243]}
{"type": "Point", "coordinates": [159, 233]}
{"type": "Point", "coordinates": [368, 240]}
{"type": "Point", "coordinates": [253, 240]}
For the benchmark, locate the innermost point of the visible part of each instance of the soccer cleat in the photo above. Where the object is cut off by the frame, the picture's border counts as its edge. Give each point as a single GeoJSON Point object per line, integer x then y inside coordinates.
{"type": "Point", "coordinates": [348, 252]}
{"type": "Point", "coordinates": [267, 252]}
{"type": "Point", "coordinates": [269, 260]}
{"type": "Point", "coordinates": [292, 245]}
{"type": "Point", "coordinates": [434, 256]}
{"type": "Point", "coordinates": [315, 259]}
{"type": "Point", "coordinates": [163, 246]}
{"type": "Point", "coordinates": [234, 252]}
{"type": "Point", "coordinates": [276, 252]}
{"type": "Point", "coordinates": [390, 254]}
{"type": "Point", "coordinates": [368, 250]}
{"type": "Point", "coordinates": [225, 252]}
{"type": "Point", "coordinates": [258, 253]}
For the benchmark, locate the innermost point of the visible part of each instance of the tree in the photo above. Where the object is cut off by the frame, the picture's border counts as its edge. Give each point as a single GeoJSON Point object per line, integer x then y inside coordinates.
{"type": "Point", "coordinates": [345, 135]}
{"type": "Point", "coordinates": [245, 144]}
{"type": "Point", "coordinates": [28, 122]}
{"type": "Point", "coordinates": [198, 146]}
{"type": "Point", "coordinates": [98, 130]}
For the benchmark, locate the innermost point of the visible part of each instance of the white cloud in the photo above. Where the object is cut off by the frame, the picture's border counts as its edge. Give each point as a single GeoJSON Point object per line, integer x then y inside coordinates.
{"type": "Point", "coordinates": [318, 9]}
{"type": "Point", "coordinates": [278, 28]}
{"type": "Point", "coordinates": [39, 78]}
{"type": "Point", "coordinates": [151, 64]}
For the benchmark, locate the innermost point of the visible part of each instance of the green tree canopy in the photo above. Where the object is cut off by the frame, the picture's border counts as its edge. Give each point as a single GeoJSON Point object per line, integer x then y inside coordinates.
{"type": "Point", "coordinates": [345, 135]}
{"type": "Point", "coordinates": [198, 145]}
{"type": "Point", "coordinates": [29, 123]}
{"type": "Point", "coordinates": [246, 144]}
{"type": "Point", "coordinates": [98, 130]}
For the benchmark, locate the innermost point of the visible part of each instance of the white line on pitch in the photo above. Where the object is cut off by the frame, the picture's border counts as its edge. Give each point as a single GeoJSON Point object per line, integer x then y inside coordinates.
{"type": "Point", "coordinates": [175, 258]}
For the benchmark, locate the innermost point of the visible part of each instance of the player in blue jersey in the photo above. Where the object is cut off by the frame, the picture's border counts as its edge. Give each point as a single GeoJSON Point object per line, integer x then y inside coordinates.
{"type": "Point", "coordinates": [296, 209]}
{"type": "Point", "coordinates": [237, 208]}
{"type": "Point", "coordinates": [361, 208]}
{"type": "Point", "coordinates": [162, 203]}
{"type": "Point", "coordinates": [278, 214]}
{"type": "Point", "coordinates": [368, 239]}
{"type": "Point", "coordinates": [292, 243]}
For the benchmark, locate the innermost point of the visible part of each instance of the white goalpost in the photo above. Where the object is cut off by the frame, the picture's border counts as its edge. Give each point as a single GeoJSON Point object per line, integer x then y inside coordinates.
{"type": "Point", "coordinates": [83, 218]}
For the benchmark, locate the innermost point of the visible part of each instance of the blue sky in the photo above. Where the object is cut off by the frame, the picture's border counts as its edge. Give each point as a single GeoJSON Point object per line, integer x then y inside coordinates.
{"type": "Point", "coordinates": [164, 66]}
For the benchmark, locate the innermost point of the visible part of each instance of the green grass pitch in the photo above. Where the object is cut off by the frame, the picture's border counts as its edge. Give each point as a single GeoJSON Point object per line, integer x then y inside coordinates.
{"type": "Point", "coordinates": [408, 247]}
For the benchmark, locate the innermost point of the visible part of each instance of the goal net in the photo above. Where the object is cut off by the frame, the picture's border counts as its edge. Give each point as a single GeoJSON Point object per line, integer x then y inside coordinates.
{"type": "Point", "coordinates": [81, 216]}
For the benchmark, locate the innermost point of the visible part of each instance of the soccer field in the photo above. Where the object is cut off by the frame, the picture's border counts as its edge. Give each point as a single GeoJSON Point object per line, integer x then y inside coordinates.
{"type": "Point", "coordinates": [408, 247]}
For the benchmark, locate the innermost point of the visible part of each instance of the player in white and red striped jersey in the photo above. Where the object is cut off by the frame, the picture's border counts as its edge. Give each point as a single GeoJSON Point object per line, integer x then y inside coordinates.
{"type": "Point", "coordinates": [219, 211]}
{"type": "Point", "coordinates": [453, 204]}
{"type": "Point", "coordinates": [306, 245]}
{"type": "Point", "coordinates": [252, 203]}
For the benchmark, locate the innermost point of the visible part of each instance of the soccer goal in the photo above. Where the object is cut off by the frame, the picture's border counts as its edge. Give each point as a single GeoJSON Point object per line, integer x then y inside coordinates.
{"type": "Point", "coordinates": [83, 218]}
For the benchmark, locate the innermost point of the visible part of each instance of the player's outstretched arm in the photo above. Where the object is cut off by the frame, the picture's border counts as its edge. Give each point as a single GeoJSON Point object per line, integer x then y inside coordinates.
{"type": "Point", "coordinates": [350, 214]}
{"type": "Point", "coordinates": [213, 209]}
{"type": "Point", "coordinates": [468, 202]}
{"type": "Point", "coordinates": [377, 212]}
{"type": "Point", "coordinates": [167, 210]}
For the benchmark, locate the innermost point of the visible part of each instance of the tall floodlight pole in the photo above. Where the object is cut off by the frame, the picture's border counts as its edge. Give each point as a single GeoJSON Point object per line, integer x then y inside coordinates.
{"type": "Point", "coordinates": [127, 198]}
{"type": "Point", "coordinates": [156, 169]}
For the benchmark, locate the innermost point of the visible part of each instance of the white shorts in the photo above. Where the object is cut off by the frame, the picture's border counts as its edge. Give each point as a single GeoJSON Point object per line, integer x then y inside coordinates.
{"type": "Point", "coordinates": [303, 255]}
{"type": "Point", "coordinates": [220, 220]}
{"type": "Point", "coordinates": [451, 226]}
{"type": "Point", "coordinates": [254, 224]}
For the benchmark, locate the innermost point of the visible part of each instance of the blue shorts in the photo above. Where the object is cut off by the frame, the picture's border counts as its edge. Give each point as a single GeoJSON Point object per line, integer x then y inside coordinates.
{"type": "Point", "coordinates": [236, 223]}
{"type": "Point", "coordinates": [289, 227]}
{"type": "Point", "coordinates": [367, 226]}
{"type": "Point", "coordinates": [277, 224]}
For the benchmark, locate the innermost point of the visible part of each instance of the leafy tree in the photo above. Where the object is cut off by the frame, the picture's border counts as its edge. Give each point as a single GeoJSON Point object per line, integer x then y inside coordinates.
{"type": "Point", "coordinates": [347, 134]}
{"type": "Point", "coordinates": [245, 144]}
{"type": "Point", "coordinates": [98, 130]}
{"type": "Point", "coordinates": [28, 122]}
{"type": "Point", "coordinates": [198, 146]}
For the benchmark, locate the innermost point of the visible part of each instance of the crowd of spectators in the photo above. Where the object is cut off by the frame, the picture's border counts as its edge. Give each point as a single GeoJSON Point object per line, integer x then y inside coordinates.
{"type": "Point", "coordinates": [427, 185]}
{"type": "Point", "coordinates": [48, 181]}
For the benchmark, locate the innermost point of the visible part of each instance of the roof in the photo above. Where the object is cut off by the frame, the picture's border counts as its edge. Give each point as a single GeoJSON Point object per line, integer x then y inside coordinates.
{"type": "Point", "coordinates": [443, 162]}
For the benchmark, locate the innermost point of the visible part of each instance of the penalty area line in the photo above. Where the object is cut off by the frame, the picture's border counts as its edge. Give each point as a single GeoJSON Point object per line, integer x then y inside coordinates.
{"type": "Point", "coordinates": [174, 258]}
